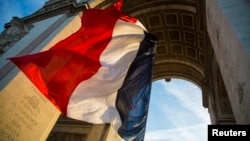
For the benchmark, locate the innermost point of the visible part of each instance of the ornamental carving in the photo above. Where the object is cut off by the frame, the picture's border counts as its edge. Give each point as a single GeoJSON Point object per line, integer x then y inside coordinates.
{"type": "Point", "coordinates": [13, 33]}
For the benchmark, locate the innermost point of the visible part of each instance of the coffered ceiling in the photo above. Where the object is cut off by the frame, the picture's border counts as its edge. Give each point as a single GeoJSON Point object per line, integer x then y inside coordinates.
{"type": "Point", "coordinates": [180, 28]}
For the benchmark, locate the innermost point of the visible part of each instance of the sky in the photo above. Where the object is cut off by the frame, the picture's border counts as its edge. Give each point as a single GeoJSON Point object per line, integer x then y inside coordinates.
{"type": "Point", "coordinates": [175, 112]}
{"type": "Point", "coordinates": [19, 8]}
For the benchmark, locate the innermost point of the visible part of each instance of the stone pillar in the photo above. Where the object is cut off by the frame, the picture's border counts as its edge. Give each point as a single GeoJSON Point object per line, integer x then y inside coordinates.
{"type": "Point", "coordinates": [25, 113]}
{"type": "Point", "coordinates": [233, 59]}
{"type": "Point", "coordinates": [220, 106]}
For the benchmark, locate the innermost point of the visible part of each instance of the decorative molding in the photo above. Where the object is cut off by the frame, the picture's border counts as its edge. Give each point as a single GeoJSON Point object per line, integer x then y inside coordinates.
{"type": "Point", "coordinates": [19, 27]}
{"type": "Point", "coordinates": [13, 33]}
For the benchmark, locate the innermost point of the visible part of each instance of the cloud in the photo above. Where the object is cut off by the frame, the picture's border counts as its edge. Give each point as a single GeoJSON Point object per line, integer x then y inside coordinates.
{"type": "Point", "coordinates": [178, 116]}
{"type": "Point", "coordinates": [196, 132]}
{"type": "Point", "coordinates": [176, 113]}
{"type": "Point", "coordinates": [187, 95]}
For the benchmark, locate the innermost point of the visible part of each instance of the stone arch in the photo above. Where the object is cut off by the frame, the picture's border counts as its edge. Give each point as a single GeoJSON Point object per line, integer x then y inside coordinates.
{"type": "Point", "coordinates": [184, 50]}
{"type": "Point", "coordinates": [180, 29]}
{"type": "Point", "coordinates": [191, 36]}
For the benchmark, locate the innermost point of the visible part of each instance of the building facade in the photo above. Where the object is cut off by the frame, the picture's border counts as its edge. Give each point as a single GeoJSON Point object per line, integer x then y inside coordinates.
{"type": "Point", "coordinates": [205, 42]}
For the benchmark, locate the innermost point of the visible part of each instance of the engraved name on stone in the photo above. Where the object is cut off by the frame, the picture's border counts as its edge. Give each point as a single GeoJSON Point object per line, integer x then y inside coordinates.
{"type": "Point", "coordinates": [24, 118]}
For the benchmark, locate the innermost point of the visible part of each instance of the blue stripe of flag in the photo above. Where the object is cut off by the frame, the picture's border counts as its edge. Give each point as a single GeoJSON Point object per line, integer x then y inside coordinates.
{"type": "Point", "coordinates": [133, 97]}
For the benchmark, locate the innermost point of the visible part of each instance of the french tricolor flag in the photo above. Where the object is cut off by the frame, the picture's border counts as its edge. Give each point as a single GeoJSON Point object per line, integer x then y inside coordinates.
{"type": "Point", "coordinates": [99, 74]}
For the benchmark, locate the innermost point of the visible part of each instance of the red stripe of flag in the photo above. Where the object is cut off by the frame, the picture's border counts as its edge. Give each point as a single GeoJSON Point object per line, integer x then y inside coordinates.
{"type": "Point", "coordinates": [58, 71]}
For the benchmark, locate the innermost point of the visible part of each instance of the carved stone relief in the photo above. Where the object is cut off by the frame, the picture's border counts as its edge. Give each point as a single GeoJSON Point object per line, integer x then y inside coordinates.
{"type": "Point", "coordinates": [13, 33]}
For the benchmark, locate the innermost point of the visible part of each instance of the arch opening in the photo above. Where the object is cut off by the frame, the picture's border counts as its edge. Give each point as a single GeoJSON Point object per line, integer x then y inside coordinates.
{"type": "Point", "coordinates": [176, 112]}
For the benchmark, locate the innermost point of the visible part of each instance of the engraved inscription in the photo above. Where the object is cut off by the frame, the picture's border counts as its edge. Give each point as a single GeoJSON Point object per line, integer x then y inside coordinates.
{"type": "Point", "coordinates": [23, 117]}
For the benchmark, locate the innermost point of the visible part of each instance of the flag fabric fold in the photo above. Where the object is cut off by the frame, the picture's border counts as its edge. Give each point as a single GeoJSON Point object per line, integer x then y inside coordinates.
{"type": "Point", "coordinates": [133, 97]}
{"type": "Point", "coordinates": [99, 74]}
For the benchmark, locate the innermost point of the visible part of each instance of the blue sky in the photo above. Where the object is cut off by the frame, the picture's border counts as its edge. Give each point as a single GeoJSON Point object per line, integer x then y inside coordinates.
{"type": "Point", "coordinates": [19, 8]}
{"type": "Point", "coordinates": [175, 112]}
